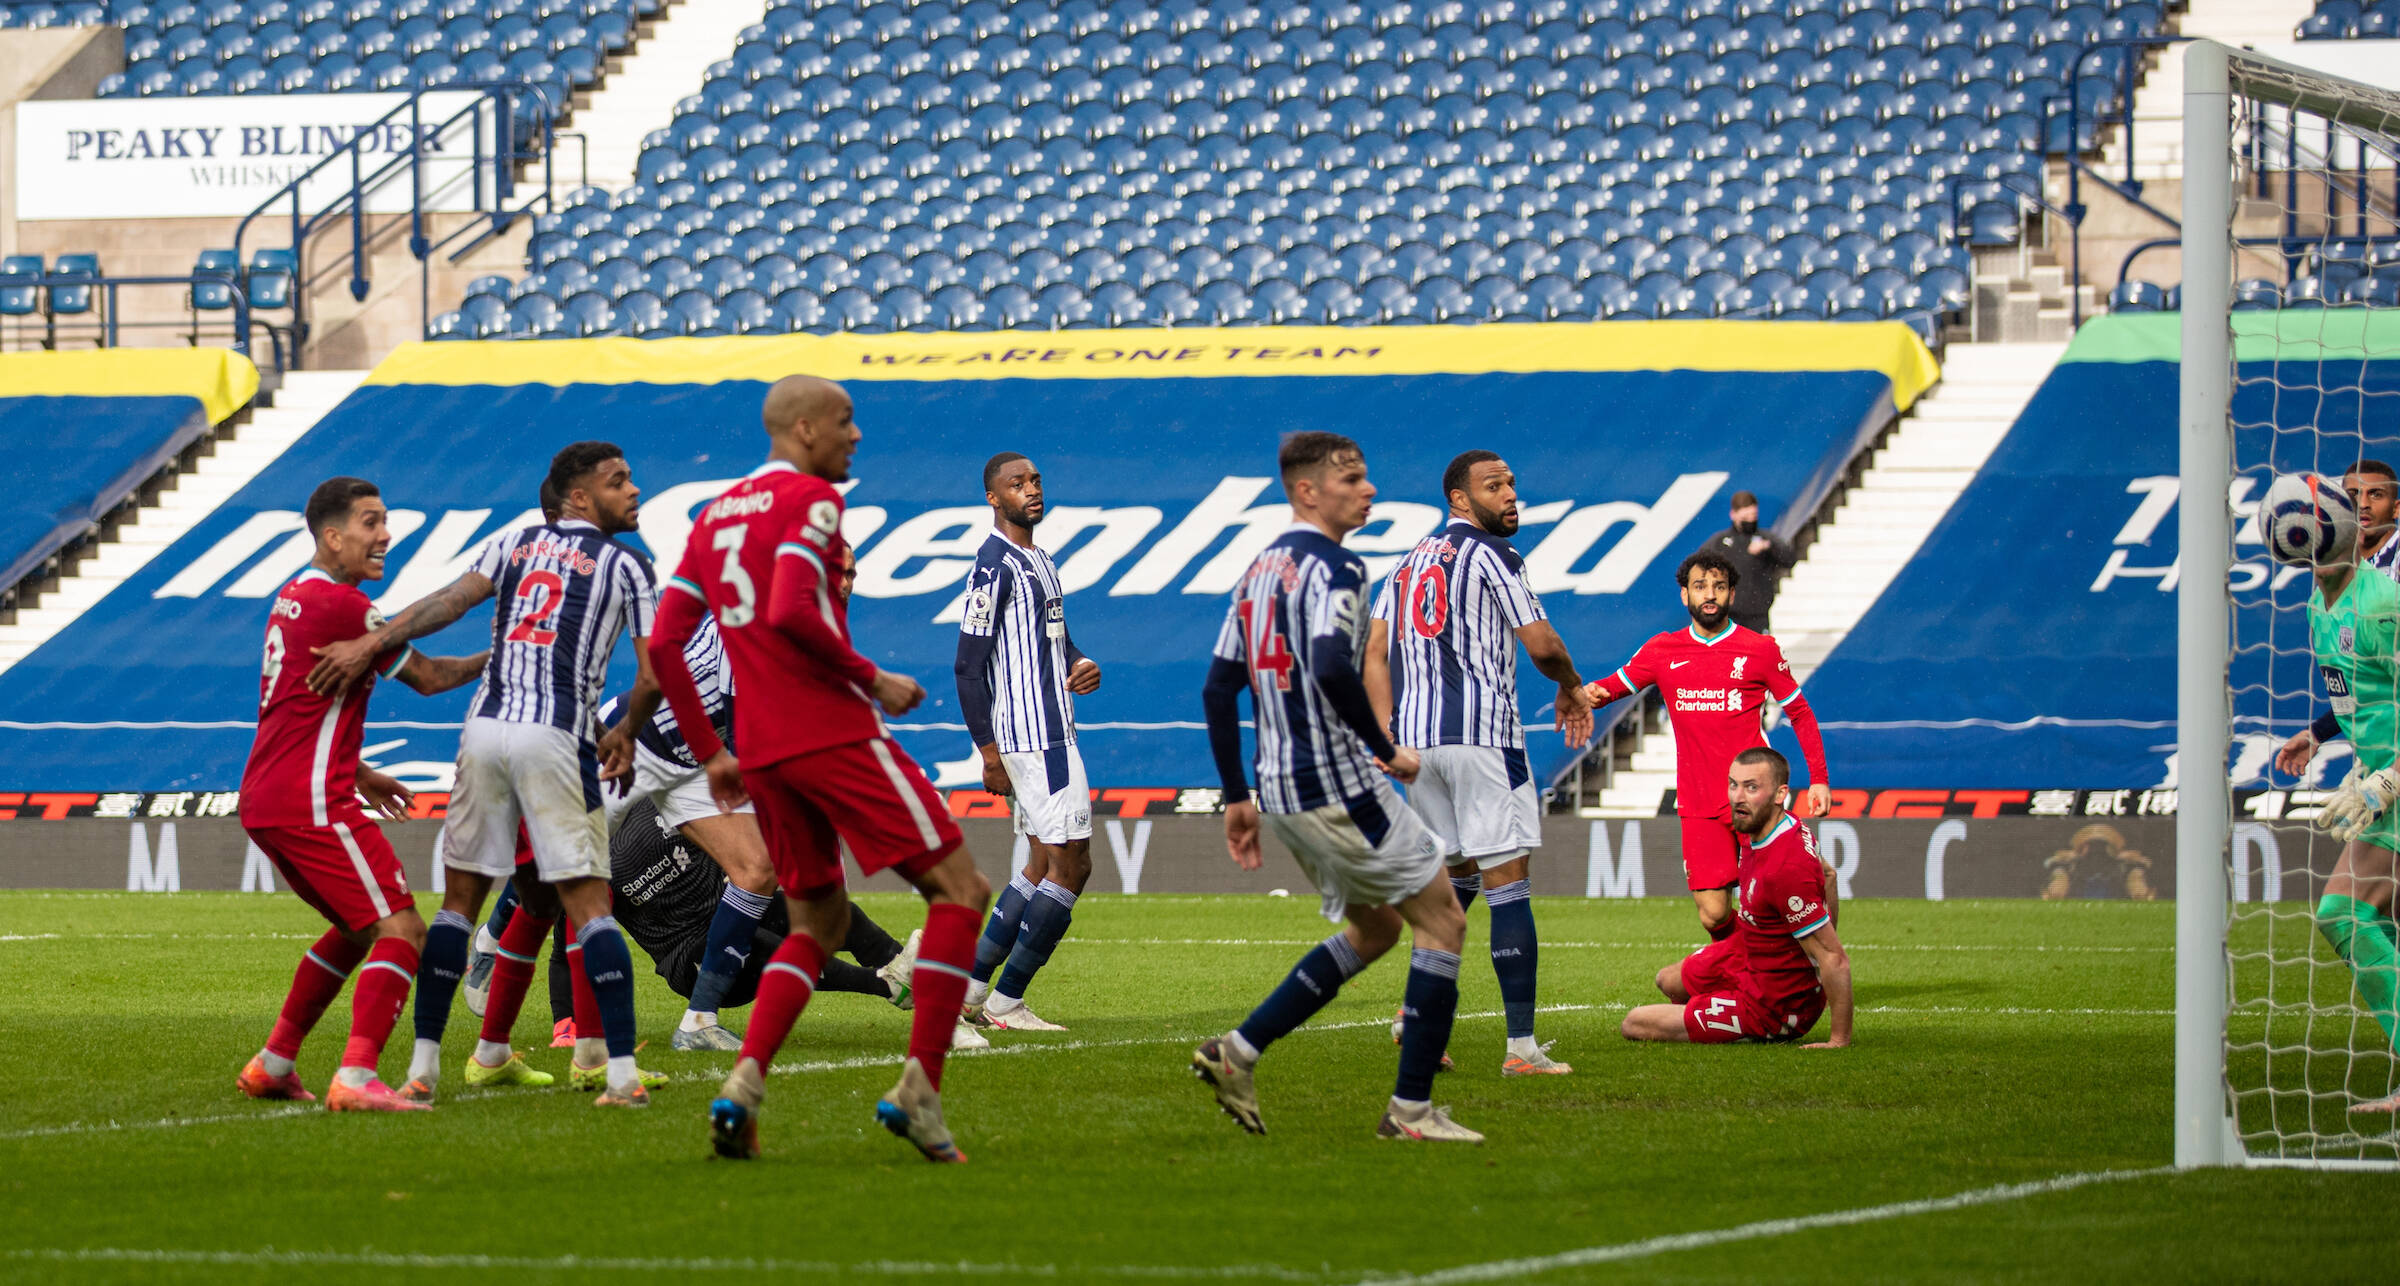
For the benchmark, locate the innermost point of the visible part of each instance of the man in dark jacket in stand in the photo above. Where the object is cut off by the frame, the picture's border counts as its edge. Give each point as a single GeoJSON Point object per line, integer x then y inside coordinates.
{"type": "Point", "coordinates": [1760, 556]}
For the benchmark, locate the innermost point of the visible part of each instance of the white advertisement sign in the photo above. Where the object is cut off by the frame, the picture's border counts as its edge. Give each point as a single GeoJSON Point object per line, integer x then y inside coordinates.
{"type": "Point", "coordinates": [215, 156]}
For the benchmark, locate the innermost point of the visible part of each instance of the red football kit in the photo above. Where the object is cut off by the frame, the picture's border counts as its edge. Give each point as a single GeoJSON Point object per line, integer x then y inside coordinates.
{"type": "Point", "coordinates": [1715, 690]}
{"type": "Point", "coordinates": [816, 758]}
{"type": "Point", "coordinates": [300, 789]}
{"type": "Point", "coordinates": [1758, 984]}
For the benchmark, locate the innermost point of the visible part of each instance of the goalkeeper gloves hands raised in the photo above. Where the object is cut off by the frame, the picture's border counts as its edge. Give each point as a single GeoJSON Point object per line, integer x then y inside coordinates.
{"type": "Point", "coordinates": [2358, 802]}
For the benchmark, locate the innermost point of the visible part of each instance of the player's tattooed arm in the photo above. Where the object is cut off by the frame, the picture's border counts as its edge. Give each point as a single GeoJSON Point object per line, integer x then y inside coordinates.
{"type": "Point", "coordinates": [1833, 973]}
{"type": "Point", "coordinates": [434, 674]}
{"type": "Point", "coordinates": [340, 664]}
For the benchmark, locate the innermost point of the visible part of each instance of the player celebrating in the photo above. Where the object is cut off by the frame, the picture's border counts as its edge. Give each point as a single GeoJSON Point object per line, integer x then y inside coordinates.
{"type": "Point", "coordinates": [528, 754]}
{"type": "Point", "coordinates": [1293, 635]}
{"type": "Point", "coordinates": [1448, 622]}
{"type": "Point", "coordinates": [1715, 676]}
{"type": "Point", "coordinates": [300, 805]}
{"type": "Point", "coordinates": [1784, 966]}
{"type": "Point", "coordinates": [1019, 673]}
{"type": "Point", "coordinates": [2354, 631]}
{"type": "Point", "coordinates": [815, 755]}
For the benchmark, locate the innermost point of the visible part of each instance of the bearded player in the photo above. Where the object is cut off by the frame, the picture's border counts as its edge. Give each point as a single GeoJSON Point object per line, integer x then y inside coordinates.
{"type": "Point", "coordinates": [1445, 635]}
{"type": "Point", "coordinates": [1019, 673]}
{"type": "Point", "coordinates": [300, 805]}
{"type": "Point", "coordinates": [815, 756]}
{"type": "Point", "coordinates": [1783, 967]}
{"type": "Point", "coordinates": [1715, 677]}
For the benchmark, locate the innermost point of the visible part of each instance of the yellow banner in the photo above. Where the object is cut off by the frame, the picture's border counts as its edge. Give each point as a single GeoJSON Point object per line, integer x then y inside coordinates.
{"type": "Point", "coordinates": [223, 380]}
{"type": "Point", "coordinates": [1886, 347]}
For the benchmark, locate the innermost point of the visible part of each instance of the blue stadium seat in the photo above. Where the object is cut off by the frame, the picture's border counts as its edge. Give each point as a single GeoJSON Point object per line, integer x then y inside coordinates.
{"type": "Point", "coordinates": [19, 297]}
{"type": "Point", "coordinates": [2137, 297]}
{"type": "Point", "coordinates": [75, 297]}
{"type": "Point", "coordinates": [212, 280]}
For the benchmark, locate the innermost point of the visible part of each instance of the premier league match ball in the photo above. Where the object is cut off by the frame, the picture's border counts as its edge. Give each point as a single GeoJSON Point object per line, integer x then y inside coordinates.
{"type": "Point", "coordinates": [2307, 520]}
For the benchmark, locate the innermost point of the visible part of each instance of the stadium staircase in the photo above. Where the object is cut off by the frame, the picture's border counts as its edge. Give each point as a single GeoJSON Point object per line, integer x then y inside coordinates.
{"type": "Point", "coordinates": [2158, 100]}
{"type": "Point", "coordinates": [238, 452]}
{"type": "Point", "coordinates": [669, 65]}
{"type": "Point", "coordinates": [1858, 545]}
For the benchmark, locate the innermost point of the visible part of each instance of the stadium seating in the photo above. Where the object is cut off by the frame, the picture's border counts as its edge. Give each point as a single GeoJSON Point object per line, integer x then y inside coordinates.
{"type": "Point", "coordinates": [2348, 272]}
{"type": "Point", "coordinates": [326, 46]}
{"type": "Point", "coordinates": [2352, 20]}
{"type": "Point", "coordinates": [979, 165]}
{"type": "Point", "coordinates": [86, 428]}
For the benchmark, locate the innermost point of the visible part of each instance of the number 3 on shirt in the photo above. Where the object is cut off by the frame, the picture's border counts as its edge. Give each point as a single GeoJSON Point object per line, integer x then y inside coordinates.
{"type": "Point", "coordinates": [744, 609]}
{"type": "Point", "coordinates": [1269, 653]}
{"type": "Point", "coordinates": [553, 592]}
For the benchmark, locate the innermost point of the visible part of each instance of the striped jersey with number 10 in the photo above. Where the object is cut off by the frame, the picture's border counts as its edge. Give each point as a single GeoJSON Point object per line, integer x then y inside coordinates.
{"type": "Point", "coordinates": [565, 593]}
{"type": "Point", "coordinates": [1451, 610]}
{"type": "Point", "coordinates": [1014, 598]}
{"type": "Point", "coordinates": [1302, 593]}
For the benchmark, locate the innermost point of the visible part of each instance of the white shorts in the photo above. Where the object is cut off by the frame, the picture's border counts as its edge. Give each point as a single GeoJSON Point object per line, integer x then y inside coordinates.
{"type": "Point", "coordinates": [1479, 802]}
{"type": "Point", "coordinates": [679, 794]}
{"type": "Point", "coordinates": [545, 777]}
{"type": "Point", "coordinates": [1053, 801]}
{"type": "Point", "coordinates": [1373, 851]}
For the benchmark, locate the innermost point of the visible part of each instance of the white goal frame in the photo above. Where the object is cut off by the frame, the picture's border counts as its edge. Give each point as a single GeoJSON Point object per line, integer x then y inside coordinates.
{"type": "Point", "coordinates": [2206, 1133]}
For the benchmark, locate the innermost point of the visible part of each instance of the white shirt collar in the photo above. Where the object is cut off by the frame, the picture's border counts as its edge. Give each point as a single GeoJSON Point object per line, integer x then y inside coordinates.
{"type": "Point", "coordinates": [774, 466]}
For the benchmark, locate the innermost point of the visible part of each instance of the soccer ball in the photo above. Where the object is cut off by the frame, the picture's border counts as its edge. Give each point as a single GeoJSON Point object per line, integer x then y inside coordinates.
{"type": "Point", "coordinates": [2308, 521]}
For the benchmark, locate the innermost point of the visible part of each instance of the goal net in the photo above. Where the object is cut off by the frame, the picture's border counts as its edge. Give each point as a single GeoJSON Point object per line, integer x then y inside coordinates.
{"type": "Point", "coordinates": [2291, 364]}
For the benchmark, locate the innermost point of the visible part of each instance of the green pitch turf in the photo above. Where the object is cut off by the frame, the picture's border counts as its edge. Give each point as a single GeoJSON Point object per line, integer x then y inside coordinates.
{"type": "Point", "coordinates": [1999, 1043]}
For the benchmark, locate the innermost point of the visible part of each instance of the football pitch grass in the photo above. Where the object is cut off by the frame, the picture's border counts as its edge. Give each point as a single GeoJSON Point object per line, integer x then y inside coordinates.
{"type": "Point", "coordinates": [2003, 1116]}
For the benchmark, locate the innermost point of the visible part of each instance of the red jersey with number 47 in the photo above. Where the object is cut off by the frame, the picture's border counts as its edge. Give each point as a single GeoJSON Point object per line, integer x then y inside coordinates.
{"type": "Point", "coordinates": [774, 541]}
{"type": "Point", "coordinates": [1782, 901]}
{"type": "Point", "coordinates": [303, 768]}
{"type": "Point", "coordinates": [1715, 690]}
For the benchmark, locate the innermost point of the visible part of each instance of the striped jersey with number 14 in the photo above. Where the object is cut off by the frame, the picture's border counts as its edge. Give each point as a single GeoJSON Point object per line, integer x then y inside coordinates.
{"type": "Point", "coordinates": [1303, 593]}
{"type": "Point", "coordinates": [1452, 609]}
{"type": "Point", "coordinates": [793, 700]}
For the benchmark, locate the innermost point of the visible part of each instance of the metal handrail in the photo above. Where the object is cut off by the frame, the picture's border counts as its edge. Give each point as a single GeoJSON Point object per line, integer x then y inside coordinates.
{"type": "Point", "coordinates": [496, 94]}
{"type": "Point", "coordinates": [2289, 246]}
{"type": "Point", "coordinates": [109, 325]}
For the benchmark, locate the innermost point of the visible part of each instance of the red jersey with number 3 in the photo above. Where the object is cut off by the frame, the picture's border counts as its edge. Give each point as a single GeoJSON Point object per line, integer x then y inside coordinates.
{"type": "Point", "coordinates": [1782, 901]}
{"type": "Point", "coordinates": [303, 768]}
{"type": "Point", "coordinates": [792, 700]}
{"type": "Point", "coordinates": [1715, 691]}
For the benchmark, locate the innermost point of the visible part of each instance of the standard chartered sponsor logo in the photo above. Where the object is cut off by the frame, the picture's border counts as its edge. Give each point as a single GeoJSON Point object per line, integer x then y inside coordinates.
{"type": "Point", "coordinates": [1574, 546]}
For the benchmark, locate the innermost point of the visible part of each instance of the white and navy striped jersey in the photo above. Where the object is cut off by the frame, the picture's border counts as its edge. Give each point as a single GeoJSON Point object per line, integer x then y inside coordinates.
{"type": "Point", "coordinates": [1304, 593]}
{"type": "Point", "coordinates": [1013, 640]}
{"type": "Point", "coordinates": [704, 655]}
{"type": "Point", "coordinates": [565, 593]}
{"type": "Point", "coordinates": [1451, 610]}
{"type": "Point", "coordinates": [2386, 558]}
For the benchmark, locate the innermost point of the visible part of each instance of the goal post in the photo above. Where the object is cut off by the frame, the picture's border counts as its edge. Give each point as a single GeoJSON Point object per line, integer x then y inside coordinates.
{"type": "Point", "coordinates": [2290, 362]}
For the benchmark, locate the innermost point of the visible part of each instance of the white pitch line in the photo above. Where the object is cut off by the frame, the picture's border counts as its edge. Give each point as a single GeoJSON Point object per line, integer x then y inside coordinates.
{"type": "Point", "coordinates": [1509, 1269]}
{"type": "Point", "coordinates": [576, 1263]}
{"type": "Point", "coordinates": [857, 1062]}
{"type": "Point", "coordinates": [1687, 947]}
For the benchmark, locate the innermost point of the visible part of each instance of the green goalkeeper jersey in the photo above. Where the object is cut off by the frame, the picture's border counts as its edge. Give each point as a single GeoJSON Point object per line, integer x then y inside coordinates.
{"type": "Point", "coordinates": [2356, 641]}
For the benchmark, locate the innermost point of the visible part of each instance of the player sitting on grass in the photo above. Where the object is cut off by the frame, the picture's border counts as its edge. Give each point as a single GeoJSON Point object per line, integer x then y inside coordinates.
{"type": "Point", "coordinates": [2354, 627]}
{"type": "Point", "coordinates": [1783, 966]}
{"type": "Point", "coordinates": [1293, 636]}
{"type": "Point", "coordinates": [300, 804]}
{"type": "Point", "coordinates": [1019, 673]}
{"type": "Point", "coordinates": [1715, 677]}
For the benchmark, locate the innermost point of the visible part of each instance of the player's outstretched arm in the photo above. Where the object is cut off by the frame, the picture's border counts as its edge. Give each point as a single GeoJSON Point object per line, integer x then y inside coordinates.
{"type": "Point", "coordinates": [1548, 653]}
{"type": "Point", "coordinates": [430, 675]}
{"type": "Point", "coordinates": [1833, 974]}
{"type": "Point", "coordinates": [340, 664]}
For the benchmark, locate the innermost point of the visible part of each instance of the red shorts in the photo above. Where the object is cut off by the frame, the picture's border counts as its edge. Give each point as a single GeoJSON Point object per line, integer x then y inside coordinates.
{"type": "Point", "coordinates": [867, 796]}
{"type": "Point", "coordinates": [347, 870]}
{"type": "Point", "coordinates": [1723, 1008]}
{"type": "Point", "coordinates": [1710, 860]}
{"type": "Point", "coordinates": [524, 847]}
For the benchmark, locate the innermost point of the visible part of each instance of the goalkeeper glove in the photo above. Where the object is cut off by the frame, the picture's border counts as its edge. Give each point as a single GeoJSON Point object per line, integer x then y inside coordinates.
{"type": "Point", "coordinates": [2359, 801]}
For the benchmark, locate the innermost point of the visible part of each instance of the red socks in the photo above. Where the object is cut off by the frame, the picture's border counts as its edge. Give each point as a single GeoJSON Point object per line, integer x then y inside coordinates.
{"type": "Point", "coordinates": [587, 1003]}
{"type": "Point", "coordinates": [783, 991]}
{"type": "Point", "coordinates": [383, 984]}
{"type": "Point", "coordinates": [314, 985]}
{"type": "Point", "coordinates": [512, 973]}
{"type": "Point", "coordinates": [945, 956]}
